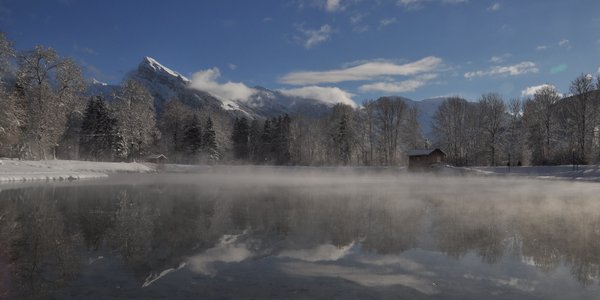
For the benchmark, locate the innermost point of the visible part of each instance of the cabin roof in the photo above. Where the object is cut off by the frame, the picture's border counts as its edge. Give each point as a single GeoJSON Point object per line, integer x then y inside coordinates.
{"type": "Point", "coordinates": [423, 152]}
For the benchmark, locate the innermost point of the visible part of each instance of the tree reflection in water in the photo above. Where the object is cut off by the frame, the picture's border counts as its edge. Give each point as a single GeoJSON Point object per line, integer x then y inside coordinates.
{"type": "Point", "coordinates": [47, 232]}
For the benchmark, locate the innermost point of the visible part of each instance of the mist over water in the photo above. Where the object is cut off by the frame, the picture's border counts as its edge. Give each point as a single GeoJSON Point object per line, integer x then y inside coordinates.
{"type": "Point", "coordinates": [299, 233]}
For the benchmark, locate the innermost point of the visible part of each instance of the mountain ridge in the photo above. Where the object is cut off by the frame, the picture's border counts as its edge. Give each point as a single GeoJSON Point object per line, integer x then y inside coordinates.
{"type": "Point", "coordinates": [165, 84]}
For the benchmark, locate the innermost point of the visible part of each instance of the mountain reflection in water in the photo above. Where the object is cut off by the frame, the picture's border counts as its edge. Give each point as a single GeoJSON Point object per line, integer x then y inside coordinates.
{"type": "Point", "coordinates": [295, 235]}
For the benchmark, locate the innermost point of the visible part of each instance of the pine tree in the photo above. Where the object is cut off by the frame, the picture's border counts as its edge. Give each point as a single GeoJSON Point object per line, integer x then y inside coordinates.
{"type": "Point", "coordinates": [281, 139]}
{"type": "Point", "coordinates": [266, 144]}
{"type": "Point", "coordinates": [342, 141]}
{"type": "Point", "coordinates": [239, 137]}
{"type": "Point", "coordinates": [209, 141]}
{"type": "Point", "coordinates": [254, 141]}
{"type": "Point", "coordinates": [98, 129]}
{"type": "Point", "coordinates": [192, 137]}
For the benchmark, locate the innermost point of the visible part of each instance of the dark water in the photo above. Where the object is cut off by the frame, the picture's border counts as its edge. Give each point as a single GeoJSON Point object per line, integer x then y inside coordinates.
{"type": "Point", "coordinates": [255, 234]}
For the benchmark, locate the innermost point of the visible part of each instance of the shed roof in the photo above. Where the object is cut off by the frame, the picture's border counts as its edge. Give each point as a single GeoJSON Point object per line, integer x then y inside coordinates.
{"type": "Point", "coordinates": [423, 152]}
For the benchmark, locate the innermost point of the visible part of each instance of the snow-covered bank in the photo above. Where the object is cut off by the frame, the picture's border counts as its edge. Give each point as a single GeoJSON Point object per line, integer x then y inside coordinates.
{"type": "Point", "coordinates": [563, 172]}
{"type": "Point", "coordinates": [53, 170]}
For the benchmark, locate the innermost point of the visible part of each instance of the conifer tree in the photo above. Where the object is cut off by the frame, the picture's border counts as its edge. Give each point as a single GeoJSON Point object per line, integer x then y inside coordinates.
{"type": "Point", "coordinates": [342, 141]}
{"type": "Point", "coordinates": [209, 141]}
{"type": "Point", "coordinates": [254, 141]}
{"type": "Point", "coordinates": [98, 130]}
{"type": "Point", "coordinates": [239, 138]}
{"type": "Point", "coordinates": [266, 142]}
{"type": "Point", "coordinates": [192, 137]}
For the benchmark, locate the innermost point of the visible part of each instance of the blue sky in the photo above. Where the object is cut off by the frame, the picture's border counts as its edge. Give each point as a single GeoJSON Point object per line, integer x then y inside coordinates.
{"type": "Point", "coordinates": [356, 49]}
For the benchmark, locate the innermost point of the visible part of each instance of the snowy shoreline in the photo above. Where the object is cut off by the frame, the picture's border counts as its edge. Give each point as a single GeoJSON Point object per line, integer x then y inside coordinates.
{"type": "Point", "coordinates": [19, 171]}
{"type": "Point", "coordinates": [12, 171]}
{"type": "Point", "coordinates": [590, 173]}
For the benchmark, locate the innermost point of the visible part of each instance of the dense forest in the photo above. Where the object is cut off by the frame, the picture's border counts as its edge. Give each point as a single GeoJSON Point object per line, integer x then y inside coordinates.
{"type": "Point", "coordinates": [47, 112]}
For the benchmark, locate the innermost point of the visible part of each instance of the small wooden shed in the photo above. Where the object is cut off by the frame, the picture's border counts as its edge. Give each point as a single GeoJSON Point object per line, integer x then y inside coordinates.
{"type": "Point", "coordinates": [425, 158]}
{"type": "Point", "coordinates": [157, 158]}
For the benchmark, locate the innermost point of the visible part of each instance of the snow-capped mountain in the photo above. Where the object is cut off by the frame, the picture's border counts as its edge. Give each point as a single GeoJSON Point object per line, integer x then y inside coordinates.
{"type": "Point", "coordinates": [165, 84]}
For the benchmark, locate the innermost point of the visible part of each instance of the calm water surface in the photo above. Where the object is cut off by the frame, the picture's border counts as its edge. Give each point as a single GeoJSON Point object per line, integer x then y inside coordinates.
{"type": "Point", "coordinates": [234, 233]}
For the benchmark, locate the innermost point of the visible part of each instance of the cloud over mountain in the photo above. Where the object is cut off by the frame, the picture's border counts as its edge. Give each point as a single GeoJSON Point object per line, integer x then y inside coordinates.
{"type": "Point", "coordinates": [206, 80]}
{"type": "Point", "coordinates": [363, 72]}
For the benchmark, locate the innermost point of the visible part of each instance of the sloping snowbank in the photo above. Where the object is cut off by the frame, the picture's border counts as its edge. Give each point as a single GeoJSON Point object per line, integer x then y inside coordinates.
{"type": "Point", "coordinates": [53, 170]}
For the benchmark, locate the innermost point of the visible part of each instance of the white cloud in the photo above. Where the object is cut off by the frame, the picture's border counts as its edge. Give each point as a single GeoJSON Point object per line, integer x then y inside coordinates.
{"type": "Point", "coordinates": [565, 43]}
{"type": "Point", "coordinates": [85, 50]}
{"type": "Point", "coordinates": [495, 7]}
{"type": "Point", "coordinates": [333, 5]}
{"type": "Point", "coordinates": [388, 21]}
{"type": "Point", "coordinates": [232, 66]}
{"type": "Point", "coordinates": [409, 2]}
{"type": "Point", "coordinates": [598, 70]}
{"type": "Point", "coordinates": [357, 18]}
{"type": "Point", "coordinates": [393, 87]}
{"type": "Point", "coordinates": [313, 37]}
{"type": "Point", "coordinates": [206, 80]}
{"type": "Point", "coordinates": [398, 87]}
{"type": "Point", "coordinates": [500, 58]}
{"type": "Point", "coordinates": [541, 47]}
{"type": "Point", "coordinates": [329, 95]}
{"type": "Point", "coordinates": [530, 91]}
{"type": "Point", "coordinates": [418, 4]}
{"type": "Point", "coordinates": [513, 70]}
{"type": "Point", "coordinates": [361, 28]}
{"type": "Point", "coordinates": [364, 71]}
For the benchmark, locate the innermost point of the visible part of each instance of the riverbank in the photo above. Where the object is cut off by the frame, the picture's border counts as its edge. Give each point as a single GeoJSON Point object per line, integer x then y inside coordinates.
{"type": "Point", "coordinates": [58, 170]}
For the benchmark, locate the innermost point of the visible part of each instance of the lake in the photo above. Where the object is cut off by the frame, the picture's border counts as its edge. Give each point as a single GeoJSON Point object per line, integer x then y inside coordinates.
{"type": "Point", "coordinates": [255, 233]}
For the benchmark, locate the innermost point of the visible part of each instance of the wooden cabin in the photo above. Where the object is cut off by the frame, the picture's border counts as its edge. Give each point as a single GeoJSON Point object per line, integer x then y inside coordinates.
{"type": "Point", "coordinates": [157, 159]}
{"type": "Point", "coordinates": [423, 159]}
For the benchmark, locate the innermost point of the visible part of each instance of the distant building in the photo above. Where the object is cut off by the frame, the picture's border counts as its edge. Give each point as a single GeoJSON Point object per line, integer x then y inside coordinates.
{"type": "Point", "coordinates": [157, 158]}
{"type": "Point", "coordinates": [425, 158]}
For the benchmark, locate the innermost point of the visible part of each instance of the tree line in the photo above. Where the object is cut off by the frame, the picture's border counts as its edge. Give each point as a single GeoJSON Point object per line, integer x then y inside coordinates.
{"type": "Point", "coordinates": [544, 129]}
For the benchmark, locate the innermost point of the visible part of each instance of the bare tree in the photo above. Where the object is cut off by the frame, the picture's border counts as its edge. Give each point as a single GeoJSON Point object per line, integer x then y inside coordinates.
{"type": "Point", "coordinates": [493, 112]}
{"type": "Point", "coordinates": [134, 109]}
{"type": "Point", "coordinates": [389, 113]}
{"type": "Point", "coordinates": [581, 113]}
{"type": "Point", "coordinates": [51, 89]}
{"type": "Point", "coordinates": [450, 128]}
{"type": "Point", "coordinates": [7, 54]}
{"type": "Point", "coordinates": [514, 143]}
{"type": "Point", "coordinates": [172, 126]}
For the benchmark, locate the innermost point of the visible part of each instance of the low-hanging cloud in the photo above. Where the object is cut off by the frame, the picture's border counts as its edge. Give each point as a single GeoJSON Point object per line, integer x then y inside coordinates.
{"type": "Point", "coordinates": [328, 95]}
{"type": "Point", "coordinates": [206, 80]}
{"type": "Point", "coordinates": [365, 71]}
{"type": "Point", "coordinates": [512, 70]}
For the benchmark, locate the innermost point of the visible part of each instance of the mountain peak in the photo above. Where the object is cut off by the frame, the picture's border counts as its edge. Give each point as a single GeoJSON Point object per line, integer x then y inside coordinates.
{"type": "Point", "coordinates": [153, 64]}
